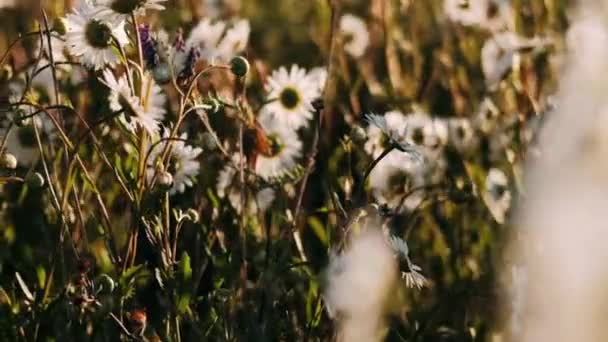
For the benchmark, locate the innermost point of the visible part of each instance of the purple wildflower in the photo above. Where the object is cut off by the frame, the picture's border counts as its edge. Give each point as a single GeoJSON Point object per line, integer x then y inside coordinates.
{"type": "Point", "coordinates": [148, 45]}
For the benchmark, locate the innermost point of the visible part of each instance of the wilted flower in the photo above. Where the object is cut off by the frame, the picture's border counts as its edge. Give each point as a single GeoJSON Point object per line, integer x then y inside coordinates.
{"type": "Point", "coordinates": [354, 32]}
{"type": "Point", "coordinates": [411, 274]}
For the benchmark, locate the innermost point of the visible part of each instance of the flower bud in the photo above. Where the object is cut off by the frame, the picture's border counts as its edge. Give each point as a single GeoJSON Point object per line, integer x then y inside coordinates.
{"type": "Point", "coordinates": [8, 161]}
{"type": "Point", "coordinates": [209, 142]}
{"type": "Point", "coordinates": [162, 73]}
{"type": "Point", "coordinates": [358, 134]}
{"type": "Point", "coordinates": [6, 73]}
{"type": "Point", "coordinates": [239, 66]}
{"type": "Point", "coordinates": [35, 181]}
{"type": "Point", "coordinates": [59, 26]}
{"type": "Point", "coordinates": [165, 180]}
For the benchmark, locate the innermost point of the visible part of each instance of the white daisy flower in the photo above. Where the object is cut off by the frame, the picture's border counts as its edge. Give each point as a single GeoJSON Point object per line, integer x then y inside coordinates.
{"type": "Point", "coordinates": [146, 113]}
{"type": "Point", "coordinates": [426, 131]}
{"type": "Point", "coordinates": [293, 92]}
{"type": "Point", "coordinates": [461, 134]}
{"type": "Point", "coordinates": [355, 35]}
{"type": "Point", "coordinates": [498, 52]}
{"type": "Point", "coordinates": [497, 195]}
{"type": "Point", "coordinates": [227, 185]}
{"type": "Point", "coordinates": [183, 163]}
{"type": "Point", "coordinates": [285, 149]}
{"type": "Point", "coordinates": [117, 11]}
{"type": "Point", "coordinates": [90, 39]}
{"type": "Point", "coordinates": [216, 41]}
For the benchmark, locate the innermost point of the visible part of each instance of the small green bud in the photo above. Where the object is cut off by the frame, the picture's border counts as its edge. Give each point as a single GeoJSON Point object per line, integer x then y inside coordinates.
{"type": "Point", "coordinates": [106, 283]}
{"type": "Point", "coordinates": [35, 181]}
{"type": "Point", "coordinates": [239, 66]}
{"type": "Point", "coordinates": [165, 180]}
{"type": "Point", "coordinates": [59, 26]}
{"type": "Point", "coordinates": [209, 142]}
{"type": "Point", "coordinates": [8, 161]}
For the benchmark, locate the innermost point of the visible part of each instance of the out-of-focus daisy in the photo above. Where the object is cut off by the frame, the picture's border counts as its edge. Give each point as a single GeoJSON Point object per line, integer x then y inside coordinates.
{"type": "Point", "coordinates": [183, 163]}
{"type": "Point", "coordinates": [487, 115]}
{"type": "Point", "coordinates": [319, 76]}
{"type": "Point", "coordinates": [146, 112]}
{"type": "Point", "coordinates": [466, 12]}
{"type": "Point", "coordinates": [423, 130]}
{"type": "Point", "coordinates": [117, 11]}
{"type": "Point", "coordinates": [497, 195]}
{"type": "Point", "coordinates": [498, 52]}
{"type": "Point", "coordinates": [90, 38]}
{"type": "Point", "coordinates": [21, 141]}
{"type": "Point", "coordinates": [216, 41]}
{"type": "Point", "coordinates": [227, 185]}
{"type": "Point", "coordinates": [235, 41]}
{"type": "Point", "coordinates": [461, 134]}
{"type": "Point", "coordinates": [392, 136]}
{"type": "Point", "coordinates": [292, 93]}
{"type": "Point", "coordinates": [411, 272]}
{"type": "Point", "coordinates": [354, 34]}
{"type": "Point", "coordinates": [285, 148]}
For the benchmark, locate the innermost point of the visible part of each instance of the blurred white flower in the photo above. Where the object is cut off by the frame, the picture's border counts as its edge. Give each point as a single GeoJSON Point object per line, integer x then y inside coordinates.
{"type": "Point", "coordinates": [235, 41]}
{"type": "Point", "coordinates": [228, 185]}
{"type": "Point", "coordinates": [360, 283]}
{"type": "Point", "coordinates": [117, 11]}
{"type": "Point", "coordinates": [498, 52]}
{"type": "Point", "coordinates": [216, 41]}
{"type": "Point", "coordinates": [355, 35]}
{"type": "Point", "coordinates": [21, 141]}
{"type": "Point", "coordinates": [487, 116]}
{"type": "Point", "coordinates": [91, 39]}
{"type": "Point", "coordinates": [285, 148]}
{"type": "Point", "coordinates": [146, 112]}
{"type": "Point", "coordinates": [466, 12]}
{"type": "Point", "coordinates": [461, 134]}
{"type": "Point", "coordinates": [497, 195]}
{"type": "Point", "coordinates": [292, 93]}
{"type": "Point", "coordinates": [58, 47]}
{"type": "Point", "coordinates": [183, 162]}
{"type": "Point", "coordinates": [425, 131]}
{"type": "Point", "coordinates": [319, 76]}
{"type": "Point", "coordinates": [489, 14]}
